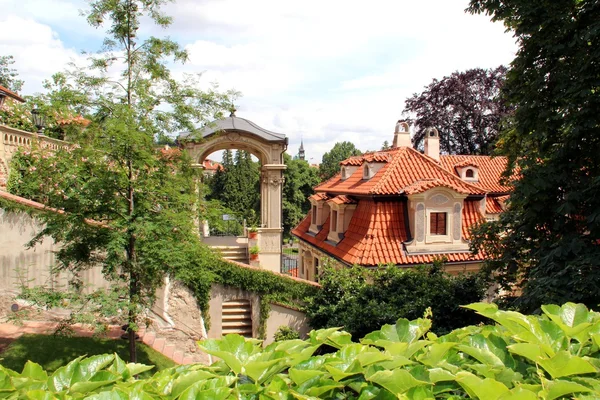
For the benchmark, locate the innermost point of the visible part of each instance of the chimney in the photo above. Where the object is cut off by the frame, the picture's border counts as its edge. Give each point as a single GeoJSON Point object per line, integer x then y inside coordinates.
{"type": "Point", "coordinates": [432, 143]}
{"type": "Point", "coordinates": [401, 135]}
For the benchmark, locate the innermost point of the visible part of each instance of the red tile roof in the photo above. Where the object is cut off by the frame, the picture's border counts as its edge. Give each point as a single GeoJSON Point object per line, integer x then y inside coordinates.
{"type": "Point", "coordinates": [493, 205]}
{"type": "Point", "coordinates": [490, 170]}
{"type": "Point", "coordinates": [10, 93]}
{"type": "Point", "coordinates": [210, 165]}
{"type": "Point", "coordinates": [406, 172]}
{"type": "Point", "coordinates": [376, 234]}
{"type": "Point", "coordinates": [342, 200]}
{"type": "Point", "coordinates": [318, 197]}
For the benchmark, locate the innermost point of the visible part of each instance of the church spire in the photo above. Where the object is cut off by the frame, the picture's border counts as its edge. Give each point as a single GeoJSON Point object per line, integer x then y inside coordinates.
{"type": "Point", "coordinates": [301, 151]}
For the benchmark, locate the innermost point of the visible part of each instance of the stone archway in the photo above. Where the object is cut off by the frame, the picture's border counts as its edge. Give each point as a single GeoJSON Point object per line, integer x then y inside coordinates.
{"type": "Point", "coordinates": [268, 147]}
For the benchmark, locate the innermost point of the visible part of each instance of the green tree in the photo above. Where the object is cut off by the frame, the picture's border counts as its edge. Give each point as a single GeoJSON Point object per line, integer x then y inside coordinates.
{"type": "Point", "coordinates": [143, 199]}
{"type": "Point", "coordinates": [465, 107]}
{"type": "Point", "coordinates": [330, 165]}
{"type": "Point", "coordinates": [547, 240]}
{"type": "Point", "coordinates": [300, 179]}
{"type": "Point", "coordinates": [8, 75]}
{"type": "Point", "coordinates": [237, 185]}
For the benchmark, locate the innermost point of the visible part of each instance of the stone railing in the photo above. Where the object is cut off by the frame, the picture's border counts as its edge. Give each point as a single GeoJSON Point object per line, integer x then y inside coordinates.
{"type": "Point", "coordinates": [11, 139]}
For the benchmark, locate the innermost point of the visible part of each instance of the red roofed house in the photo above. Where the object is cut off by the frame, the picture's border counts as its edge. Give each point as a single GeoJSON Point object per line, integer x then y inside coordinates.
{"type": "Point", "coordinates": [6, 93]}
{"type": "Point", "coordinates": [402, 207]}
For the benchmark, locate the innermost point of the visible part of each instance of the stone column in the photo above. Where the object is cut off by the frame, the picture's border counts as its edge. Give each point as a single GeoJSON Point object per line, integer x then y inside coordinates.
{"type": "Point", "coordinates": [270, 233]}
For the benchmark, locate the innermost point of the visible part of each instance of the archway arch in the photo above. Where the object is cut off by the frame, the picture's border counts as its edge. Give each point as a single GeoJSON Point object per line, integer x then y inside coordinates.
{"type": "Point", "coordinates": [242, 134]}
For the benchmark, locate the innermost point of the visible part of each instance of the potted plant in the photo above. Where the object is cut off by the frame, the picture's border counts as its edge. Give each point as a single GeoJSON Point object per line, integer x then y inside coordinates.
{"type": "Point", "coordinates": [254, 250]}
{"type": "Point", "coordinates": [252, 232]}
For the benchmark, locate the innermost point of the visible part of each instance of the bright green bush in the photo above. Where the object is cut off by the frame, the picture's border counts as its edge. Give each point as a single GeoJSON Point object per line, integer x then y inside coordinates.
{"type": "Point", "coordinates": [285, 332]}
{"type": "Point", "coordinates": [552, 356]}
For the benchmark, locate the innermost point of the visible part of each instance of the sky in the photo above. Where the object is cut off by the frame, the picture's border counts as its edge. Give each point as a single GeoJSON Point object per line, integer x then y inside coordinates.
{"type": "Point", "coordinates": [320, 71]}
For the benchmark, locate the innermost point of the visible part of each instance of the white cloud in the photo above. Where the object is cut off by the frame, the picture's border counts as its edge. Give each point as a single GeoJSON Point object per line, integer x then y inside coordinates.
{"type": "Point", "coordinates": [323, 71]}
{"type": "Point", "coordinates": [37, 50]}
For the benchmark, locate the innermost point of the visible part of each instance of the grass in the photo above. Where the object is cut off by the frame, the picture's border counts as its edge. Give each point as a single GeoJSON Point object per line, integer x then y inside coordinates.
{"type": "Point", "coordinates": [52, 352]}
{"type": "Point", "coordinates": [290, 251]}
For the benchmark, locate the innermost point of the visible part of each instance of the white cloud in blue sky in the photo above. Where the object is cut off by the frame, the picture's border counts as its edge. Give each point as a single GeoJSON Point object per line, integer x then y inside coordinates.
{"type": "Point", "coordinates": [321, 70]}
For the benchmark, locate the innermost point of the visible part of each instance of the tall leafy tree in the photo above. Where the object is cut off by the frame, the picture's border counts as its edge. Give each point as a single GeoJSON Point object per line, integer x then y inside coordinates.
{"type": "Point", "coordinates": [8, 75]}
{"type": "Point", "coordinates": [300, 178]}
{"type": "Point", "coordinates": [547, 242]}
{"type": "Point", "coordinates": [143, 199]}
{"type": "Point", "coordinates": [330, 164]}
{"type": "Point", "coordinates": [465, 107]}
{"type": "Point", "coordinates": [237, 185]}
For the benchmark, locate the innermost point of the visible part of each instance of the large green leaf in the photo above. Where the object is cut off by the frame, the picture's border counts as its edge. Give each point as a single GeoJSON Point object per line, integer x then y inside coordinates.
{"type": "Point", "coordinates": [566, 364]}
{"type": "Point", "coordinates": [559, 388]}
{"type": "Point", "coordinates": [34, 371]}
{"type": "Point", "coordinates": [184, 381]}
{"type": "Point", "coordinates": [484, 389]}
{"type": "Point", "coordinates": [574, 319]}
{"type": "Point", "coordinates": [435, 353]}
{"type": "Point", "coordinates": [404, 331]}
{"type": "Point", "coordinates": [233, 349]}
{"type": "Point", "coordinates": [398, 381]}
{"type": "Point", "coordinates": [62, 378]}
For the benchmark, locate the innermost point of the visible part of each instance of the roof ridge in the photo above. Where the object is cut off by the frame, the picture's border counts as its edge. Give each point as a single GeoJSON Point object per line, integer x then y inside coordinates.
{"type": "Point", "coordinates": [389, 171]}
{"type": "Point", "coordinates": [438, 165]}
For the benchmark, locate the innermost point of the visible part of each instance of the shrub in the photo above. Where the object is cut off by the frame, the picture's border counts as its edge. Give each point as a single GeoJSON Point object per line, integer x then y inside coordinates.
{"type": "Point", "coordinates": [285, 333]}
{"type": "Point", "coordinates": [362, 300]}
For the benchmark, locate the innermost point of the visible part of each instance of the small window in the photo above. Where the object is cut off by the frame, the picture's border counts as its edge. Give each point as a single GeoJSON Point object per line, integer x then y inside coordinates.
{"type": "Point", "coordinates": [333, 225]}
{"type": "Point", "coordinates": [314, 215]}
{"type": "Point", "coordinates": [366, 172]}
{"type": "Point", "coordinates": [470, 173]}
{"type": "Point", "coordinates": [317, 272]}
{"type": "Point", "coordinates": [437, 223]}
{"type": "Point", "coordinates": [344, 173]}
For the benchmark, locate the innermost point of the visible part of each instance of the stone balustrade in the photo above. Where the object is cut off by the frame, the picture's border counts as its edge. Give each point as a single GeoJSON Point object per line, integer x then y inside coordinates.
{"type": "Point", "coordinates": [11, 139]}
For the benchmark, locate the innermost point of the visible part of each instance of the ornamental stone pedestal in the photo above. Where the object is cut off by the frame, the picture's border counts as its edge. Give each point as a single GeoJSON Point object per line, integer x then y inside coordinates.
{"type": "Point", "coordinates": [240, 134]}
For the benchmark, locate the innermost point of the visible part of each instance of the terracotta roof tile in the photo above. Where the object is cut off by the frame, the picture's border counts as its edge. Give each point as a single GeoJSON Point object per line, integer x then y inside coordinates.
{"type": "Point", "coordinates": [376, 234]}
{"type": "Point", "coordinates": [342, 200]}
{"type": "Point", "coordinates": [490, 170]}
{"type": "Point", "coordinates": [405, 172]}
{"type": "Point", "coordinates": [319, 196]}
{"type": "Point", "coordinates": [493, 205]}
{"type": "Point", "coordinates": [10, 93]}
{"type": "Point", "coordinates": [471, 215]}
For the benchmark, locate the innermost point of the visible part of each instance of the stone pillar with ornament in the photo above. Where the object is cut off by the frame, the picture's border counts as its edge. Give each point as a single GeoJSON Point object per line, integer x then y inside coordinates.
{"type": "Point", "coordinates": [270, 233]}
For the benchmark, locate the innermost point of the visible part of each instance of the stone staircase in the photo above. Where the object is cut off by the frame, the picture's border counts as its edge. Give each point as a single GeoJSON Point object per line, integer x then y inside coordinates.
{"type": "Point", "coordinates": [237, 318]}
{"type": "Point", "coordinates": [233, 253]}
{"type": "Point", "coordinates": [167, 349]}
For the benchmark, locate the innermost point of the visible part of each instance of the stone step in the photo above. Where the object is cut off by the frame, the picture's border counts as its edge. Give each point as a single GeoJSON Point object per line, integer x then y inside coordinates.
{"type": "Point", "coordinates": [149, 338]}
{"type": "Point", "coordinates": [169, 350]}
{"type": "Point", "coordinates": [187, 360]}
{"type": "Point", "coordinates": [243, 304]}
{"type": "Point", "coordinates": [235, 311]}
{"type": "Point", "coordinates": [236, 323]}
{"type": "Point", "coordinates": [159, 344]}
{"type": "Point", "coordinates": [178, 356]}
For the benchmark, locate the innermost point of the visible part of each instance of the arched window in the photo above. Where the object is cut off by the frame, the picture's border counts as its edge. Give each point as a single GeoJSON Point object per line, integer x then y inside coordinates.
{"type": "Point", "coordinates": [366, 171]}
{"type": "Point", "coordinates": [469, 173]}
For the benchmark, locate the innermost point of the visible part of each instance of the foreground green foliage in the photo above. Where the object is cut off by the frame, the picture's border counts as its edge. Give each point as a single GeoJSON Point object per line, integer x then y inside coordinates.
{"type": "Point", "coordinates": [64, 349]}
{"type": "Point", "coordinates": [361, 300]}
{"type": "Point", "coordinates": [552, 356]}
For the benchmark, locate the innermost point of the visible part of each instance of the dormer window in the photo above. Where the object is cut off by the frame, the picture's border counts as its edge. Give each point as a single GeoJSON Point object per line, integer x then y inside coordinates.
{"type": "Point", "coordinates": [342, 208]}
{"type": "Point", "coordinates": [366, 171]}
{"type": "Point", "coordinates": [468, 171]}
{"type": "Point", "coordinates": [319, 211]}
{"type": "Point", "coordinates": [438, 223]}
{"type": "Point", "coordinates": [344, 174]}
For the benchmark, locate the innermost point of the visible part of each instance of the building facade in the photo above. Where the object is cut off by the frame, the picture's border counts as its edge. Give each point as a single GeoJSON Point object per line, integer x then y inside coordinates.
{"type": "Point", "coordinates": [401, 207]}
